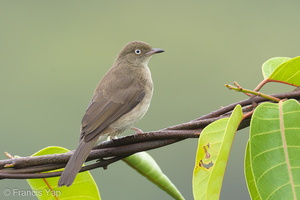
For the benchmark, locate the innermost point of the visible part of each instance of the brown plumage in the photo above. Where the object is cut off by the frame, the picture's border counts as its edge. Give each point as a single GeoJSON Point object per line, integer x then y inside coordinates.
{"type": "Point", "coordinates": [120, 99]}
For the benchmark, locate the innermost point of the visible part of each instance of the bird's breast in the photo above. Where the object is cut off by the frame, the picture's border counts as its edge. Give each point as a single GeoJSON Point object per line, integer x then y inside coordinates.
{"type": "Point", "coordinates": [127, 120]}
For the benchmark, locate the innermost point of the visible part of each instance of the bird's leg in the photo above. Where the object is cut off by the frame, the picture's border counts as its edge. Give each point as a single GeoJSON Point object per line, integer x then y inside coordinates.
{"type": "Point", "coordinates": [137, 130]}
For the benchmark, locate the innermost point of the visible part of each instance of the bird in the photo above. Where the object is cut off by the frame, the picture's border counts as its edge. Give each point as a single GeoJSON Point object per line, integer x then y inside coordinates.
{"type": "Point", "coordinates": [121, 98]}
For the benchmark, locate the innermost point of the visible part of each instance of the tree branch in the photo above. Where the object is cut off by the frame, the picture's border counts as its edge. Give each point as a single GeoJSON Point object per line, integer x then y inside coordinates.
{"type": "Point", "coordinates": [114, 150]}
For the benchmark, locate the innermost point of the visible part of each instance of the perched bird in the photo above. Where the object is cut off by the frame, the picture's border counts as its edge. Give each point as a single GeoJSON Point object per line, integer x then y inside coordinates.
{"type": "Point", "coordinates": [120, 99]}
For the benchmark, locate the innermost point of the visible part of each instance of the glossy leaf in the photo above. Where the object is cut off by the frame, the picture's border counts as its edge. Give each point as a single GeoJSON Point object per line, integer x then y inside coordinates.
{"type": "Point", "coordinates": [84, 186]}
{"type": "Point", "coordinates": [275, 149]}
{"type": "Point", "coordinates": [144, 164]}
{"type": "Point", "coordinates": [270, 65]}
{"type": "Point", "coordinates": [288, 72]}
{"type": "Point", "coordinates": [212, 155]}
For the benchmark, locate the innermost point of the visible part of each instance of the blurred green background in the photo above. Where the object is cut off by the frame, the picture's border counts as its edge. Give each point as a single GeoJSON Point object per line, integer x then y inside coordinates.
{"type": "Point", "coordinates": [53, 53]}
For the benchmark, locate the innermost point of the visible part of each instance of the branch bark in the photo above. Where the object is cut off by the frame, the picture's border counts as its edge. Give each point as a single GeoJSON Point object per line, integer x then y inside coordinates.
{"type": "Point", "coordinates": [114, 150]}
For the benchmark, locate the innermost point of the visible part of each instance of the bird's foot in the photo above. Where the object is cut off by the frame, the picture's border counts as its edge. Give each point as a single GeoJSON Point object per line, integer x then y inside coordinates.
{"type": "Point", "coordinates": [113, 138]}
{"type": "Point", "coordinates": [137, 130]}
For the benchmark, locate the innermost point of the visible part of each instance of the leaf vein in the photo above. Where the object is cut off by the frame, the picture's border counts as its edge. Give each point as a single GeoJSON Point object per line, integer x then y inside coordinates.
{"type": "Point", "coordinates": [263, 152]}
{"type": "Point", "coordinates": [268, 197]}
{"type": "Point", "coordinates": [268, 170]}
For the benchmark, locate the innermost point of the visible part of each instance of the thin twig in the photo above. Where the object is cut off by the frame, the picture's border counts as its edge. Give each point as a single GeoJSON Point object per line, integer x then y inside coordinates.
{"type": "Point", "coordinates": [247, 92]}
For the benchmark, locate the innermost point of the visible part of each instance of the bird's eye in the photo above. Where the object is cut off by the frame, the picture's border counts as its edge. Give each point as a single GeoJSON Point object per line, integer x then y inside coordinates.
{"type": "Point", "coordinates": [137, 51]}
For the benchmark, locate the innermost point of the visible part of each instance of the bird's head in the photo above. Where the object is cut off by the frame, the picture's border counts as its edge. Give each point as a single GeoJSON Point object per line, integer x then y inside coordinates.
{"type": "Point", "coordinates": [137, 53]}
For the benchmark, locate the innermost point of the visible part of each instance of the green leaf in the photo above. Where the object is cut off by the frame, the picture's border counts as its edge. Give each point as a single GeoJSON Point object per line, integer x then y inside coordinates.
{"type": "Point", "coordinates": [212, 155]}
{"type": "Point", "coordinates": [275, 149]}
{"type": "Point", "coordinates": [84, 186]}
{"type": "Point", "coordinates": [251, 184]}
{"type": "Point", "coordinates": [270, 65]}
{"type": "Point", "coordinates": [288, 72]}
{"type": "Point", "coordinates": [144, 164]}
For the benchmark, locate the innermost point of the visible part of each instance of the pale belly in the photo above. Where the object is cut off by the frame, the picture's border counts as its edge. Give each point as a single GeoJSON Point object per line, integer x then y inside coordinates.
{"type": "Point", "coordinates": [127, 120]}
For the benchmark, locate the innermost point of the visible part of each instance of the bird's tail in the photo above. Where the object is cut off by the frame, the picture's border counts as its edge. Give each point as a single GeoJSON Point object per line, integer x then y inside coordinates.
{"type": "Point", "coordinates": [75, 163]}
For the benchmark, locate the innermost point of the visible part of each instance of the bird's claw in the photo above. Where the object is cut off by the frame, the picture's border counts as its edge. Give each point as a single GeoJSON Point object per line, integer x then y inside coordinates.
{"type": "Point", "coordinates": [137, 130]}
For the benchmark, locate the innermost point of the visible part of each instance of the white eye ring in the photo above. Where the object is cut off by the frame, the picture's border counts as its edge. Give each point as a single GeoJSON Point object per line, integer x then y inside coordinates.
{"type": "Point", "coordinates": [137, 51]}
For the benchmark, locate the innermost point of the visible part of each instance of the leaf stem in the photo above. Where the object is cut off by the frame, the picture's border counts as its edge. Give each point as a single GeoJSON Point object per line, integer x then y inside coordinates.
{"type": "Point", "coordinates": [238, 88]}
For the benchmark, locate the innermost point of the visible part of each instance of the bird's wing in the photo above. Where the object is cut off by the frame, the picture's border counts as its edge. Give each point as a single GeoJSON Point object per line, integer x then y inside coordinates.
{"type": "Point", "coordinates": [109, 105]}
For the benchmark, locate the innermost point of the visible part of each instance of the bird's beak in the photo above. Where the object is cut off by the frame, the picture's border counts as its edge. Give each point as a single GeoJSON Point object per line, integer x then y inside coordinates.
{"type": "Point", "coordinates": [154, 51]}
